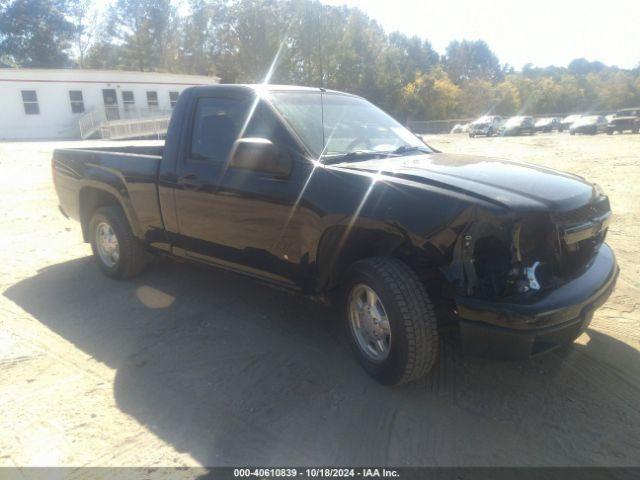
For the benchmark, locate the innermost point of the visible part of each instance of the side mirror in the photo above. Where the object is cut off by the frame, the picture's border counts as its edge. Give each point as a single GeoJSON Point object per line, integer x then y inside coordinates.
{"type": "Point", "coordinates": [259, 155]}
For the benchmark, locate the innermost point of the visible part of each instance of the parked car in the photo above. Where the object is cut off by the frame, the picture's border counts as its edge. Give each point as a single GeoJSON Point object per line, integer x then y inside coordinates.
{"type": "Point", "coordinates": [487, 125]}
{"type": "Point", "coordinates": [520, 125]}
{"type": "Point", "coordinates": [460, 128]}
{"type": "Point", "coordinates": [323, 194]}
{"type": "Point", "coordinates": [547, 124]}
{"type": "Point", "coordinates": [568, 121]}
{"type": "Point", "coordinates": [589, 124]}
{"type": "Point", "coordinates": [627, 119]}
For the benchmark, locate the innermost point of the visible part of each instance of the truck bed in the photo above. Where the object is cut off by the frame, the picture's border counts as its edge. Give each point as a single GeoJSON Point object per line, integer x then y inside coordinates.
{"type": "Point", "coordinates": [129, 172]}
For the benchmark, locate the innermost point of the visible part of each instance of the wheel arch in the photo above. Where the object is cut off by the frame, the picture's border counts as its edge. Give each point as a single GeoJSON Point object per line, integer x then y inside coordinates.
{"type": "Point", "coordinates": [339, 249]}
{"type": "Point", "coordinates": [92, 197]}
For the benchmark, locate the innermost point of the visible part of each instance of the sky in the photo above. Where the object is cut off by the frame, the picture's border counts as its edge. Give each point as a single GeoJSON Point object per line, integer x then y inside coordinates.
{"type": "Point", "coordinates": [541, 32]}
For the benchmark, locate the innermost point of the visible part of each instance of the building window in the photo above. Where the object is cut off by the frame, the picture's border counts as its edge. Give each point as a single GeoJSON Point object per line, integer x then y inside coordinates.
{"type": "Point", "coordinates": [152, 99]}
{"type": "Point", "coordinates": [128, 101]}
{"type": "Point", "coordinates": [30, 101]}
{"type": "Point", "coordinates": [77, 102]}
{"type": "Point", "coordinates": [173, 98]}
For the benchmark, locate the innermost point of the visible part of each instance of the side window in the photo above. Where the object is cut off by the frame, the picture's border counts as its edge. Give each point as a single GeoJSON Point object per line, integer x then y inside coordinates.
{"type": "Point", "coordinates": [264, 124]}
{"type": "Point", "coordinates": [77, 102]}
{"type": "Point", "coordinates": [128, 101]}
{"type": "Point", "coordinates": [30, 102]}
{"type": "Point", "coordinates": [173, 98]}
{"type": "Point", "coordinates": [152, 100]}
{"type": "Point", "coordinates": [216, 125]}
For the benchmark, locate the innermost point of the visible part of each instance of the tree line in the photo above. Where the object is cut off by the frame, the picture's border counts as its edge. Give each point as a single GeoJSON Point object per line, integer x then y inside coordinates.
{"type": "Point", "coordinates": [319, 45]}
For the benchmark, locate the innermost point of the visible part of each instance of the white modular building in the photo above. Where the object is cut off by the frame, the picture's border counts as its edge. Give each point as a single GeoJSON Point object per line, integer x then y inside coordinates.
{"type": "Point", "coordinates": [52, 103]}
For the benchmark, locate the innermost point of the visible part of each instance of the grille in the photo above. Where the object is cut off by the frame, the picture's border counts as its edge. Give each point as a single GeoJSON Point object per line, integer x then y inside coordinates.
{"type": "Point", "coordinates": [584, 213]}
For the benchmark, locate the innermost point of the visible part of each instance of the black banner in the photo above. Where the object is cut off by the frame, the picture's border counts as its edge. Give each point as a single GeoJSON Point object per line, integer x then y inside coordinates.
{"type": "Point", "coordinates": [404, 473]}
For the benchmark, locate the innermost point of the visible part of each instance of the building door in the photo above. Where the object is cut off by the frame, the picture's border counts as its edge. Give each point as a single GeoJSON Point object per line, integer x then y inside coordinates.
{"type": "Point", "coordinates": [111, 104]}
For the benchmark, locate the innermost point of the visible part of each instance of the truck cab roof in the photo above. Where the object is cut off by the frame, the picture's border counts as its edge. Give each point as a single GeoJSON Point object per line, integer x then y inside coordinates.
{"type": "Point", "coordinates": [261, 87]}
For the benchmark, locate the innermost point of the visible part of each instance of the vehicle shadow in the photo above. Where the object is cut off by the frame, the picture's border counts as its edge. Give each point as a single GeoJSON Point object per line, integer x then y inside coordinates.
{"type": "Point", "coordinates": [236, 373]}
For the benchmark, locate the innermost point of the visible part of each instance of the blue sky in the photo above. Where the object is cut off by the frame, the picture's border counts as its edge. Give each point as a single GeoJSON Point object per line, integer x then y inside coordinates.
{"type": "Point", "coordinates": [542, 32]}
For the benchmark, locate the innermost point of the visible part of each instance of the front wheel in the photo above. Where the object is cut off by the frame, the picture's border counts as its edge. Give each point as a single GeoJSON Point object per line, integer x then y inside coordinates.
{"type": "Point", "coordinates": [390, 320]}
{"type": "Point", "coordinates": [118, 253]}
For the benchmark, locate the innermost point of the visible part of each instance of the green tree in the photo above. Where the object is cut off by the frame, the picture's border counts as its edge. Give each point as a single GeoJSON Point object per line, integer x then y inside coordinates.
{"type": "Point", "coordinates": [81, 14]}
{"type": "Point", "coordinates": [35, 33]}
{"type": "Point", "coordinates": [145, 30]}
{"type": "Point", "coordinates": [205, 40]}
{"type": "Point", "coordinates": [470, 60]}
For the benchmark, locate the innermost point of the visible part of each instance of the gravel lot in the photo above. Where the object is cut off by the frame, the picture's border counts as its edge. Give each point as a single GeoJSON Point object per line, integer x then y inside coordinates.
{"type": "Point", "coordinates": [184, 366]}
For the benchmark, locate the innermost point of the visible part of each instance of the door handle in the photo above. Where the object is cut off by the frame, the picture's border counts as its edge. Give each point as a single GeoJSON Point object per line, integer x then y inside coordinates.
{"type": "Point", "coordinates": [191, 182]}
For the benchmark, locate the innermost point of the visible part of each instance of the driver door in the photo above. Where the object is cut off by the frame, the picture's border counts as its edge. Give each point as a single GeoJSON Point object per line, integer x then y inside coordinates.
{"type": "Point", "coordinates": [235, 217]}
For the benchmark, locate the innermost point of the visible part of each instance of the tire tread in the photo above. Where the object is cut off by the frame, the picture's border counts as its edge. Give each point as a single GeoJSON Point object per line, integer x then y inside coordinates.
{"type": "Point", "coordinates": [417, 314]}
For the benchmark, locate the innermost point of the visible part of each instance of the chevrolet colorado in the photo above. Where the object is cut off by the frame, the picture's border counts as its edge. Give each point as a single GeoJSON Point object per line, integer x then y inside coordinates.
{"type": "Point", "coordinates": [322, 193]}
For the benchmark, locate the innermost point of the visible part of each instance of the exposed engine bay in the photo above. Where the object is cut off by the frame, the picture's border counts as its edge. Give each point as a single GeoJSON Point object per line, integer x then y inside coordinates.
{"type": "Point", "coordinates": [533, 253]}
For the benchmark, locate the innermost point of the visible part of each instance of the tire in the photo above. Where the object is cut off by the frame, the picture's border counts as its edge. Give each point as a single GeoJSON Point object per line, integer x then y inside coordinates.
{"type": "Point", "coordinates": [131, 258]}
{"type": "Point", "coordinates": [411, 321]}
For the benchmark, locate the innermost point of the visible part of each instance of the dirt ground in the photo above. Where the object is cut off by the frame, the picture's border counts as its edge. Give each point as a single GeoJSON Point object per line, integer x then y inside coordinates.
{"type": "Point", "coordinates": [185, 366]}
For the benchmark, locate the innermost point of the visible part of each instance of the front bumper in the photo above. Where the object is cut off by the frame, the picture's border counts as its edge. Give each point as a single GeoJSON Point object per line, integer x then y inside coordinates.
{"type": "Point", "coordinates": [623, 125]}
{"type": "Point", "coordinates": [480, 130]}
{"type": "Point", "coordinates": [510, 132]}
{"type": "Point", "coordinates": [584, 129]}
{"type": "Point", "coordinates": [522, 326]}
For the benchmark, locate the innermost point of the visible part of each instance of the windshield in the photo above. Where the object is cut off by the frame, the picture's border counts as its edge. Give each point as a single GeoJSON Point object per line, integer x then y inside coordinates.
{"type": "Point", "coordinates": [587, 120]}
{"type": "Point", "coordinates": [514, 121]}
{"type": "Point", "coordinates": [333, 125]}
{"type": "Point", "coordinates": [481, 120]}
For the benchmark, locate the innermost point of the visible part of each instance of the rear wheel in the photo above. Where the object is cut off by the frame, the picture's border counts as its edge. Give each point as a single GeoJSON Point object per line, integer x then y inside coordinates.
{"type": "Point", "coordinates": [390, 320]}
{"type": "Point", "coordinates": [118, 253]}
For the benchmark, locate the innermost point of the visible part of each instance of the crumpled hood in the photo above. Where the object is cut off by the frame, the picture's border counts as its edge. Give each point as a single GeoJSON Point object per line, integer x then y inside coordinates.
{"type": "Point", "coordinates": [513, 185]}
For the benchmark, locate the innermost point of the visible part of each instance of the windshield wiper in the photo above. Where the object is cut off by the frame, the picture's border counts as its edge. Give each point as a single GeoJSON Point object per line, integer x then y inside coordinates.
{"type": "Point", "coordinates": [354, 156]}
{"type": "Point", "coordinates": [405, 149]}
{"type": "Point", "coordinates": [368, 154]}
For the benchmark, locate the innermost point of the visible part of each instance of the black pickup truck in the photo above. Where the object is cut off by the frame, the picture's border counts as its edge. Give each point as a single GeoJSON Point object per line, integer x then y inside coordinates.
{"type": "Point", "coordinates": [324, 194]}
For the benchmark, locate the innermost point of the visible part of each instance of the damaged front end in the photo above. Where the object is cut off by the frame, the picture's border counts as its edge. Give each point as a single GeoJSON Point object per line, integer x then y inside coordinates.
{"type": "Point", "coordinates": [531, 276]}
